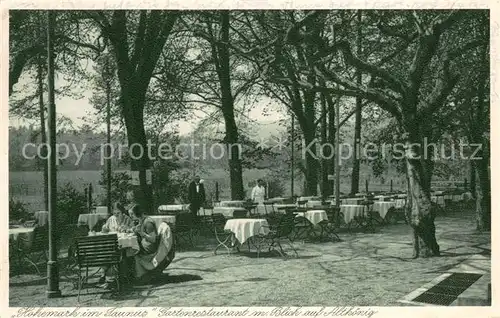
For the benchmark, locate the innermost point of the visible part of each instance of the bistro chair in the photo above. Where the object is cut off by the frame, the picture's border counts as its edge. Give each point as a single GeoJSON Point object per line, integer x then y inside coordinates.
{"type": "Point", "coordinates": [37, 250]}
{"type": "Point", "coordinates": [222, 236]}
{"type": "Point", "coordinates": [240, 214]}
{"type": "Point", "coordinates": [97, 251]}
{"type": "Point", "coordinates": [184, 229]}
{"type": "Point", "coordinates": [283, 230]}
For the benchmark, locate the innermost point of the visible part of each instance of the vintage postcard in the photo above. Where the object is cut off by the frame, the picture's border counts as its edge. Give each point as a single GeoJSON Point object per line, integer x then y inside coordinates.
{"type": "Point", "coordinates": [248, 159]}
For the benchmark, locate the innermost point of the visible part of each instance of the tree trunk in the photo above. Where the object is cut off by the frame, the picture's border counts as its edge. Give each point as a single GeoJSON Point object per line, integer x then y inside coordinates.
{"type": "Point", "coordinates": [472, 179]}
{"type": "Point", "coordinates": [331, 136]}
{"type": "Point", "coordinates": [357, 124]}
{"type": "Point", "coordinates": [311, 174]}
{"type": "Point", "coordinates": [138, 149]}
{"type": "Point", "coordinates": [483, 195]}
{"type": "Point", "coordinates": [43, 135]}
{"type": "Point", "coordinates": [421, 212]}
{"type": "Point", "coordinates": [325, 183]}
{"type": "Point", "coordinates": [232, 138]}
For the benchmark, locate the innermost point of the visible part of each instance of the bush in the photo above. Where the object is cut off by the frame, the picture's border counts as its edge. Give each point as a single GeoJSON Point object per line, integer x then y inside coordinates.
{"type": "Point", "coordinates": [17, 210]}
{"type": "Point", "coordinates": [170, 185]}
{"type": "Point", "coordinates": [120, 184]}
{"type": "Point", "coordinates": [70, 204]}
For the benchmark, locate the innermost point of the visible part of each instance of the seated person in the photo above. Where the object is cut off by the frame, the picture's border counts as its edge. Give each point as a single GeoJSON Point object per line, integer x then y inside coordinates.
{"type": "Point", "coordinates": [146, 231]}
{"type": "Point", "coordinates": [119, 221]}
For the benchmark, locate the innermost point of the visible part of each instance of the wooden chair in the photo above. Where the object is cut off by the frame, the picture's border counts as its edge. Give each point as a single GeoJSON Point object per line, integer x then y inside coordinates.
{"type": "Point", "coordinates": [97, 251]}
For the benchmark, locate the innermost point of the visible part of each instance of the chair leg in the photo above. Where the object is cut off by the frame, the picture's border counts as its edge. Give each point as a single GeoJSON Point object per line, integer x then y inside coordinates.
{"type": "Point", "coordinates": [79, 283]}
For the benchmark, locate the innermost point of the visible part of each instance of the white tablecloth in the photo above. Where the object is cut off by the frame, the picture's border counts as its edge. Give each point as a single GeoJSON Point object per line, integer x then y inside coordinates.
{"type": "Point", "coordinates": [244, 229]}
{"type": "Point", "coordinates": [42, 217]}
{"type": "Point", "coordinates": [163, 218]}
{"type": "Point", "coordinates": [313, 203]}
{"type": "Point", "coordinates": [314, 216]}
{"type": "Point", "coordinates": [383, 206]}
{"type": "Point", "coordinates": [399, 203]}
{"type": "Point", "coordinates": [307, 198]}
{"type": "Point", "coordinates": [350, 211]}
{"type": "Point", "coordinates": [90, 219]}
{"type": "Point", "coordinates": [453, 197]}
{"type": "Point", "coordinates": [232, 204]}
{"type": "Point", "coordinates": [467, 196]}
{"type": "Point", "coordinates": [101, 210]}
{"type": "Point", "coordinates": [172, 208]}
{"type": "Point", "coordinates": [226, 211]}
{"type": "Point", "coordinates": [24, 232]}
{"type": "Point", "coordinates": [438, 200]}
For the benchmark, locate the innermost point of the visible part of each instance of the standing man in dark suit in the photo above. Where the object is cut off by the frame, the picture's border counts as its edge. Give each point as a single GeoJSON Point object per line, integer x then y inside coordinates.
{"type": "Point", "coordinates": [196, 196]}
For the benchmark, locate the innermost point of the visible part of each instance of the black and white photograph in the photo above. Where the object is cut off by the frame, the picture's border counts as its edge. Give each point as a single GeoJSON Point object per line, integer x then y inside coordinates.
{"type": "Point", "coordinates": [337, 159]}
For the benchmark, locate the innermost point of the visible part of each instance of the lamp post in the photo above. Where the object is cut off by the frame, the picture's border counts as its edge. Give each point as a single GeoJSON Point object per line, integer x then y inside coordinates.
{"type": "Point", "coordinates": [108, 132]}
{"type": "Point", "coordinates": [292, 157]}
{"type": "Point", "coordinates": [52, 267]}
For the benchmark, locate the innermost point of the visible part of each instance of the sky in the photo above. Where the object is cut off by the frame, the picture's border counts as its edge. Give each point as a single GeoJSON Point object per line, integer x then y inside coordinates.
{"type": "Point", "coordinates": [81, 111]}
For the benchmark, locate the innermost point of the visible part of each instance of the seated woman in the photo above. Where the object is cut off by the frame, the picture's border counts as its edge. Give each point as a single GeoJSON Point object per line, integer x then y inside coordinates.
{"type": "Point", "coordinates": [119, 221]}
{"type": "Point", "coordinates": [156, 246]}
{"type": "Point", "coordinates": [146, 231]}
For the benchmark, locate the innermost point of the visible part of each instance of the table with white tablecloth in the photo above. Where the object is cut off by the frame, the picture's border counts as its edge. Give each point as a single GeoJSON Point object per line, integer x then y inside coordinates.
{"type": "Point", "coordinates": [101, 210]}
{"type": "Point", "coordinates": [382, 207]}
{"type": "Point", "coordinates": [467, 196]}
{"type": "Point", "coordinates": [21, 234]}
{"type": "Point", "coordinates": [42, 217]}
{"type": "Point", "coordinates": [90, 219]}
{"type": "Point", "coordinates": [439, 200]}
{"type": "Point", "coordinates": [313, 203]}
{"type": "Point", "coordinates": [163, 218]}
{"type": "Point", "coordinates": [399, 203]}
{"type": "Point", "coordinates": [173, 208]}
{"type": "Point", "coordinates": [453, 197]}
{"type": "Point", "coordinates": [314, 216]}
{"type": "Point", "coordinates": [243, 229]}
{"type": "Point", "coordinates": [226, 211]}
{"type": "Point", "coordinates": [231, 204]}
{"type": "Point", "coordinates": [350, 211]}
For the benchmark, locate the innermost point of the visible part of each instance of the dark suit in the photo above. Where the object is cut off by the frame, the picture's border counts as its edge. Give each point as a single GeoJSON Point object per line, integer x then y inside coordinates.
{"type": "Point", "coordinates": [196, 198]}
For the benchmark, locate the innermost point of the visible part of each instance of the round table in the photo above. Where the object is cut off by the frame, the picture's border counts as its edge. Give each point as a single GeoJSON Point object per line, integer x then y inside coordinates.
{"type": "Point", "coordinates": [22, 235]}
{"type": "Point", "coordinates": [231, 204]}
{"type": "Point", "coordinates": [439, 200]}
{"type": "Point", "coordinates": [244, 229]}
{"type": "Point", "coordinates": [314, 216]}
{"type": "Point", "coordinates": [170, 219]}
{"type": "Point", "coordinates": [226, 210]}
{"type": "Point", "coordinates": [90, 219]}
{"type": "Point", "coordinates": [467, 196]}
{"type": "Point", "coordinates": [42, 217]}
{"type": "Point", "coordinates": [350, 211]}
{"type": "Point", "coordinates": [172, 208]}
{"type": "Point", "coordinates": [382, 207]}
